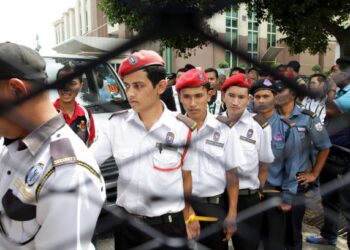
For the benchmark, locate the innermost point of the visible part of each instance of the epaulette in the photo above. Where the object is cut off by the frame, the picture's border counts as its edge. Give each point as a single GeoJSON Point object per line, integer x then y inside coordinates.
{"type": "Point", "coordinates": [261, 120]}
{"type": "Point", "coordinates": [62, 152]}
{"type": "Point", "coordinates": [309, 113]}
{"type": "Point", "coordinates": [118, 113]}
{"type": "Point", "coordinates": [226, 120]}
{"type": "Point", "coordinates": [289, 122]}
{"type": "Point", "coordinates": [188, 121]}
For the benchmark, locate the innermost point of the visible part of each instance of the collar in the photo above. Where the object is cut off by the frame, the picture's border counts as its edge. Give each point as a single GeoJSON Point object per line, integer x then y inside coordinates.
{"type": "Point", "coordinates": [35, 140]}
{"type": "Point", "coordinates": [245, 117]}
{"type": "Point", "coordinates": [274, 117]}
{"type": "Point", "coordinates": [210, 121]}
{"type": "Point", "coordinates": [165, 119]}
{"type": "Point", "coordinates": [346, 88]}
{"type": "Point", "coordinates": [78, 111]}
{"type": "Point", "coordinates": [296, 112]}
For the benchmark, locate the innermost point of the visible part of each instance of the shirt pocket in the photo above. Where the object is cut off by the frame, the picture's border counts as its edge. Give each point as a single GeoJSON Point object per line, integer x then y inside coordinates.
{"type": "Point", "coordinates": [124, 160]}
{"type": "Point", "coordinates": [214, 156]}
{"type": "Point", "coordinates": [277, 149]}
{"type": "Point", "coordinates": [167, 160]}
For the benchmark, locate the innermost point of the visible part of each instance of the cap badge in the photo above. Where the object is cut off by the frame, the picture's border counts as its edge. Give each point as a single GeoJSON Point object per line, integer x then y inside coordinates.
{"type": "Point", "coordinates": [267, 83]}
{"type": "Point", "coordinates": [216, 136]}
{"type": "Point", "coordinates": [201, 77]}
{"type": "Point", "coordinates": [132, 60]}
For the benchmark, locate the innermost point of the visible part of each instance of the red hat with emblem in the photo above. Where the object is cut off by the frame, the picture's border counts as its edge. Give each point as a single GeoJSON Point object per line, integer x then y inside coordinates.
{"type": "Point", "coordinates": [239, 80]}
{"type": "Point", "coordinates": [139, 60]}
{"type": "Point", "coordinates": [191, 78]}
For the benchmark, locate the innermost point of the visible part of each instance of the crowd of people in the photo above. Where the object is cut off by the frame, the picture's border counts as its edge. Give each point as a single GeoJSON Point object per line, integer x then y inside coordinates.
{"type": "Point", "coordinates": [194, 150]}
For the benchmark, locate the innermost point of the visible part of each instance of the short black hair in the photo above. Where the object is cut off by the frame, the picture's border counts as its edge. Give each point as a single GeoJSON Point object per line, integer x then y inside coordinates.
{"type": "Point", "coordinates": [212, 70]}
{"type": "Point", "coordinates": [320, 77]}
{"type": "Point", "coordinates": [155, 74]}
{"type": "Point", "coordinates": [189, 66]}
{"type": "Point", "coordinates": [239, 69]}
{"type": "Point", "coordinates": [181, 70]}
{"type": "Point", "coordinates": [69, 68]}
{"type": "Point", "coordinates": [295, 65]}
{"type": "Point", "coordinates": [252, 69]}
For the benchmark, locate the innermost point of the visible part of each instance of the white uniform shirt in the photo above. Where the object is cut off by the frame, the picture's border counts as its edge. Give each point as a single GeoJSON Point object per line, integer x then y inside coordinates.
{"type": "Point", "coordinates": [148, 168]}
{"type": "Point", "coordinates": [217, 151]}
{"type": "Point", "coordinates": [256, 144]}
{"type": "Point", "coordinates": [318, 106]}
{"type": "Point", "coordinates": [64, 215]}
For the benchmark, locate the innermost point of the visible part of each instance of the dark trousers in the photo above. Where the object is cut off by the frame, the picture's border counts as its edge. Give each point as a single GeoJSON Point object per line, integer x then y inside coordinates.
{"type": "Point", "coordinates": [248, 234]}
{"type": "Point", "coordinates": [273, 226]}
{"type": "Point", "coordinates": [294, 222]}
{"type": "Point", "coordinates": [215, 239]}
{"type": "Point", "coordinates": [127, 236]}
{"type": "Point", "coordinates": [335, 202]}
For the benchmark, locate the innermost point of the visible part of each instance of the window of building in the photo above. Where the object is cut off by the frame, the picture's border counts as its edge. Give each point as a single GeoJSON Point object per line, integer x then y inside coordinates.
{"type": "Point", "coordinates": [231, 35]}
{"type": "Point", "coordinates": [271, 34]}
{"type": "Point", "coordinates": [253, 36]}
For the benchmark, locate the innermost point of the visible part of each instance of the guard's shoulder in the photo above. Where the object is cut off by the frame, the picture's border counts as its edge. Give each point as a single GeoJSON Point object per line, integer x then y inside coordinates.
{"type": "Point", "coordinates": [188, 121]}
{"type": "Point", "coordinates": [62, 152]}
{"type": "Point", "coordinates": [118, 113]}
{"type": "Point", "coordinates": [289, 122]}
{"type": "Point", "coordinates": [261, 120]}
{"type": "Point", "coordinates": [225, 120]}
{"type": "Point", "coordinates": [309, 113]}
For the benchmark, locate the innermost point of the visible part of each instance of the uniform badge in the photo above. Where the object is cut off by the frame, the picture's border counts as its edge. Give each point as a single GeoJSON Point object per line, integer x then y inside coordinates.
{"type": "Point", "coordinates": [82, 125]}
{"type": "Point", "coordinates": [34, 174]}
{"type": "Point", "coordinates": [319, 126]}
{"type": "Point", "coordinates": [250, 133]}
{"type": "Point", "coordinates": [301, 129]}
{"type": "Point", "coordinates": [132, 60]}
{"type": "Point", "coordinates": [216, 136]}
{"type": "Point", "coordinates": [169, 139]}
{"type": "Point", "coordinates": [267, 83]}
{"type": "Point", "coordinates": [200, 76]}
{"type": "Point", "coordinates": [278, 137]}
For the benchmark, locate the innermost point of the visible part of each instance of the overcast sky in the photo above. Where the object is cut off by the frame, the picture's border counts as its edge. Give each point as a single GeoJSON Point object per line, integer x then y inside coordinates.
{"type": "Point", "coordinates": [22, 20]}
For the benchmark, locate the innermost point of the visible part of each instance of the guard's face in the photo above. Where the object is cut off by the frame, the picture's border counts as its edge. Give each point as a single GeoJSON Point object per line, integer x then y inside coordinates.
{"type": "Point", "coordinates": [213, 80]}
{"type": "Point", "coordinates": [264, 101]}
{"type": "Point", "coordinates": [195, 101]}
{"type": "Point", "coordinates": [236, 99]}
{"type": "Point", "coordinates": [140, 92]}
{"type": "Point", "coordinates": [284, 97]}
{"type": "Point", "coordinates": [69, 91]}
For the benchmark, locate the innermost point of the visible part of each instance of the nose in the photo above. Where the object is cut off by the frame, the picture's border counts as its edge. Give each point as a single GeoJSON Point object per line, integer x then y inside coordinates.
{"type": "Point", "coordinates": [235, 101]}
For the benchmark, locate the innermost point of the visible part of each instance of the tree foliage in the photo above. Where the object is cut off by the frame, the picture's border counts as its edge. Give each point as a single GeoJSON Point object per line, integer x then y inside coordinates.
{"type": "Point", "coordinates": [308, 24]}
{"type": "Point", "coordinates": [144, 16]}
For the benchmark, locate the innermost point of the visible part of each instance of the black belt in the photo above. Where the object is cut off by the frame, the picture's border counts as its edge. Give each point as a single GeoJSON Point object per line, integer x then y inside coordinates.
{"type": "Point", "coordinates": [247, 191]}
{"type": "Point", "coordinates": [157, 220]}
{"type": "Point", "coordinates": [211, 200]}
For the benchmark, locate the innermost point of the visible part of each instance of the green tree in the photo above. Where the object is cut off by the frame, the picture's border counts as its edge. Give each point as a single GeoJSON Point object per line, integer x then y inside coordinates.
{"type": "Point", "coordinates": [139, 18]}
{"type": "Point", "coordinates": [308, 24]}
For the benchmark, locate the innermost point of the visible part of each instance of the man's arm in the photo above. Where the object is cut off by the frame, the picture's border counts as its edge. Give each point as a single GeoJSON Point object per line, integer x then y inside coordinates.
{"type": "Point", "coordinates": [322, 156]}
{"type": "Point", "coordinates": [332, 109]}
{"type": "Point", "coordinates": [101, 149]}
{"type": "Point", "coordinates": [232, 191]}
{"type": "Point", "coordinates": [263, 173]}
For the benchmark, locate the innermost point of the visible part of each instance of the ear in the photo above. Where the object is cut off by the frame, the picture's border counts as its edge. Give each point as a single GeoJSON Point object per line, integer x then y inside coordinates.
{"type": "Point", "coordinates": [210, 94]}
{"type": "Point", "coordinates": [17, 87]}
{"type": "Point", "coordinates": [162, 86]}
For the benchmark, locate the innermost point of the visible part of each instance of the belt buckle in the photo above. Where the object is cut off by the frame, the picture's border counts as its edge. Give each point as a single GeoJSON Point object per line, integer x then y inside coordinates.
{"type": "Point", "coordinates": [170, 218]}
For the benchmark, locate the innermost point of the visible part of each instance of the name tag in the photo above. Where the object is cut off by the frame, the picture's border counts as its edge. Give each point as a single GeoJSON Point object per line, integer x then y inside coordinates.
{"type": "Point", "coordinates": [214, 143]}
{"type": "Point", "coordinates": [301, 129]}
{"type": "Point", "coordinates": [243, 138]}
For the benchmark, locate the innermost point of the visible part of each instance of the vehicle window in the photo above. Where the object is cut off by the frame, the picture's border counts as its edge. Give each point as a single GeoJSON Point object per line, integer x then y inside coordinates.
{"type": "Point", "coordinates": [100, 84]}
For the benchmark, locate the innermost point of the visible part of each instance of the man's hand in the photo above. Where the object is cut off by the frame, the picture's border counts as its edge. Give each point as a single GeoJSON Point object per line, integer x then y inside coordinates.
{"type": "Point", "coordinates": [193, 229]}
{"type": "Point", "coordinates": [229, 227]}
{"type": "Point", "coordinates": [284, 207]}
{"type": "Point", "coordinates": [304, 178]}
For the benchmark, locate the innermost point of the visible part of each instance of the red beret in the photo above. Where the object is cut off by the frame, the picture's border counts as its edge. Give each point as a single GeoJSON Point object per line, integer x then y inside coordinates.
{"type": "Point", "coordinates": [191, 78]}
{"type": "Point", "coordinates": [240, 80]}
{"type": "Point", "coordinates": [139, 60]}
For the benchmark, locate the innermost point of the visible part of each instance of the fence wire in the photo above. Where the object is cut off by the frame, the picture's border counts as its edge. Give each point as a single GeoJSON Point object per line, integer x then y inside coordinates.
{"type": "Point", "coordinates": [170, 21]}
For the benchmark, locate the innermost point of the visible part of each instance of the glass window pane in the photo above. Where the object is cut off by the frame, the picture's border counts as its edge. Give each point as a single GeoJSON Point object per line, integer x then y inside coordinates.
{"type": "Point", "coordinates": [256, 26]}
{"type": "Point", "coordinates": [228, 22]}
{"type": "Point", "coordinates": [268, 27]}
{"type": "Point", "coordinates": [234, 23]}
{"type": "Point", "coordinates": [274, 28]}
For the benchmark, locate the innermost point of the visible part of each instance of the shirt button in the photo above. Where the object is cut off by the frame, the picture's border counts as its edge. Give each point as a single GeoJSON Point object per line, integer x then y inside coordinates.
{"type": "Point", "coordinates": [58, 135]}
{"type": "Point", "coordinates": [9, 172]}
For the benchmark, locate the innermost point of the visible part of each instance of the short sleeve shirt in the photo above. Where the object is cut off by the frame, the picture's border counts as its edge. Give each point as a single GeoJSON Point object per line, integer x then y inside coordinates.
{"type": "Point", "coordinates": [343, 99]}
{"type": "Point", "coordinates": [149, 161]}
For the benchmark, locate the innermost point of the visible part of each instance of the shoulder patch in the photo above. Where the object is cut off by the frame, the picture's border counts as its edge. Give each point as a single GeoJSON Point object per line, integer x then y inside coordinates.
{"type": "Point", "coordinates": [289, 122]}
{"type": "Point", "coordinates": [188, 121]}
{"type": "Point", "coordinates": [261, 120]}
{"type": "Point", "coordinates": [309, 113]}
{"type": "Point", "coordinates": [226, 120]}
{"type": "Point", "coordinates": [118, 113]}
{"type": "Point", "coordinates": [62, 152]}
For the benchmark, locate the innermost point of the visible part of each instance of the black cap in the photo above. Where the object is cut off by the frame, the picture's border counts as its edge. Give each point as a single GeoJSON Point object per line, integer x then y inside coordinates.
{"type": "Point", "coordinates": [294, 65]}
{"type": "Point", "coordinates": [21, 62]}
{"type": "Point", "coordinates": [263, 84]}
